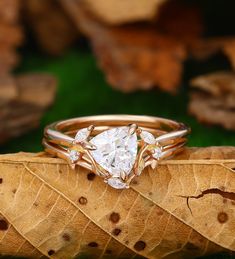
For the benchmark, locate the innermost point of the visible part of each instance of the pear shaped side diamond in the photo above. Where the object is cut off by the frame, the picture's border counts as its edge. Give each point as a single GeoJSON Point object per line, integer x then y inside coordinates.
{"type": "Point", "coordinates": [147, 137]}
{"type": "Point", "coordinates": [82, 135]}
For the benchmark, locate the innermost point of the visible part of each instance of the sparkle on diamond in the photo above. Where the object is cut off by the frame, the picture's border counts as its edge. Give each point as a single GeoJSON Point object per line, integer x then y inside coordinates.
{"type": "Point", "coordinates": [73, 155]}
{"type": "Point", "coordinates": [116, 150]}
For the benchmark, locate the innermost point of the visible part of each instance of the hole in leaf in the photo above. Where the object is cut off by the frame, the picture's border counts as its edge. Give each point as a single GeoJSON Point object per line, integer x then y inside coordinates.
{"type": "Point", "coordinates": [91, 176]}
{"type": "Point", "coordinates": [114, 217]}
{"type": "Point", "coordinates": [140, 245]}
{"type": "Point", "coordinates": [93, 244]}
{"type": "Point", "coordinates": [3, 225]}
{"type": "Point", "coordinates": [116, 231]}
{"type": "Point", "coordinates": [51, 252]}
{"type": "Point", "coordinates": [82, 200]}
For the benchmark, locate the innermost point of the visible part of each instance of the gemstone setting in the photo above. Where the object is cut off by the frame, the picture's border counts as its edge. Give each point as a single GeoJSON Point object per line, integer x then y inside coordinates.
{"type": "Point", "coordinates": [74, 155]}
{"type": "Point", "coordinates": [116, 151]}
{"type": "Point", "coordinates": [157, 153]}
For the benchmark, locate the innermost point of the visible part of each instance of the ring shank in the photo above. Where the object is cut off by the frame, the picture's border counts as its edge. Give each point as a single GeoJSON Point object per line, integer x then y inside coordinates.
{"type": "Point", "coordinates": [156, 125]}
{"type": "Point", "coordinates": [119, 120]}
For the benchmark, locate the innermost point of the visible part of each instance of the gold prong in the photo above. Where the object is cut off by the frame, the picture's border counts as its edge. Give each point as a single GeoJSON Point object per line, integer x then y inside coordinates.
{"type": "Point", "coordinates": [153, 164]}
{"type": "Point", "coordinates": [72, 166]}
{"type": "Point", "coordinates": [132, 129]}
{"type": "Point", "coordinates": [96, 168]}
{"type": "Point", "coordinates": [129, 179]}
{"type": "Point", "coordinates": [89, 146]}
{"type": "Point", "coordinates": [91, 128]}
{"type": "Point", "coordinates": [123, 176]}
{"type": "Point", "coordinates": [140, 161]}
{"type": "Point", "coordinates": [138, 131]}
{"type": "Point", "coordinates": [102, 172]}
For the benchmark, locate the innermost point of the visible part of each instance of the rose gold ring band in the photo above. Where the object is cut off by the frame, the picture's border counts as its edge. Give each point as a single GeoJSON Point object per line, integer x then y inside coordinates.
{"type": "Point", "coordinates": [116, 147]}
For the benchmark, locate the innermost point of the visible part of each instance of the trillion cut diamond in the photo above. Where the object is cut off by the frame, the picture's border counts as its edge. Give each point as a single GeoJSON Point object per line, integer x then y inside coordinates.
{"type": "Point", "coordinates": [116, 150]}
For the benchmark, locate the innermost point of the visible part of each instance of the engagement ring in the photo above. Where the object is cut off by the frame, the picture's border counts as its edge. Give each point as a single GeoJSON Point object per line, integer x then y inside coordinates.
{"type": "Point", "coordinates": [115, 147]}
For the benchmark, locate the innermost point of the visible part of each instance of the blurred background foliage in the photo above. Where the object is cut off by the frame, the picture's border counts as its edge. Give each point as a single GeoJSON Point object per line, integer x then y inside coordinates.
{"type": "Point", "coordinates": [83, 90]}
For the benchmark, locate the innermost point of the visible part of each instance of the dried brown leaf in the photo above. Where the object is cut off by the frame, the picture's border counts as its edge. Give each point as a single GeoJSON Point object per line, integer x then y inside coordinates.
{"type": "Point", "coordinates": [9, 11]}
{"type": "Point", "coordinates": [229, 50]}
{"type": "Point", "coordinates": [8, 60]}
{"type": "Point", "coordinates": [141, 56]}
{"type": "Point", "coordinates": [51, 26]}
{"type": "Point", "coordinates": [183, 209]}
{"type": "Point", "coordinates": [119, 12]}
{"type": "Point", "coordinates": [213, 99]}
{"type": "Point", "coordinates": [7, 89]}
{"type": "Point", "coordinates": [11, 35]}
{"type": "Point", "coordinates": [23, 100]}
{"type": "Point", "coordinates": [204, 48]}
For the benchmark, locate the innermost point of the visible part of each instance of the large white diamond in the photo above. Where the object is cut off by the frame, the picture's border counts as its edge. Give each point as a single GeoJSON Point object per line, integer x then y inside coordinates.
{"type": "Point", "coordinates": [116, 150]}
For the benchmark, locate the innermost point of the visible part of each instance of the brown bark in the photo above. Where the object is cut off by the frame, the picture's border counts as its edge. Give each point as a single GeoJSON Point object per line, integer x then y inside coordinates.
{"type": "Point", "coordinates": [23, 100]}
{"type": "Point", "coordinates": [182, 209]}
{"type": "Point", "coordinates": [213, 99]}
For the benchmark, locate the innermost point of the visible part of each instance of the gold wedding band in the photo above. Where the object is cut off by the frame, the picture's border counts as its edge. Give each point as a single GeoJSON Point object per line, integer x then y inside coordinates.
{"type": "Point", "coordinates": [115, 147]}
